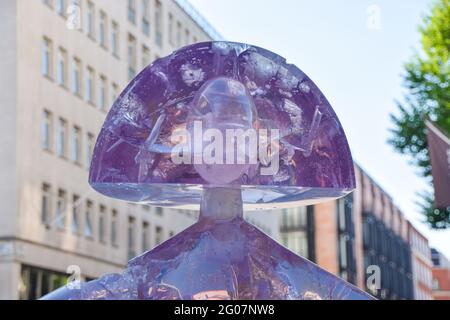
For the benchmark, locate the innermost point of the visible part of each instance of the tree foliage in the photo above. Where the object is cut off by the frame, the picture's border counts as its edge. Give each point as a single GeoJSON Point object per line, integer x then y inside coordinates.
{"type": "Point", "coordinates": [426, 80]}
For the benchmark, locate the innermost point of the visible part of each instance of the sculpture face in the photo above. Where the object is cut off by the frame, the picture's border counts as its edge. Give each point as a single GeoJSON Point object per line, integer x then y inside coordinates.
{"type": "Point", "coordinates": [133, 156]}
{"type": "Point", "coordinates": [221, 107]}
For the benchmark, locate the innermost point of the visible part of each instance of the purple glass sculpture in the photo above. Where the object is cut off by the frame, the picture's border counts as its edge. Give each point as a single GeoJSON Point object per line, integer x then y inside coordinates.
{"type": "Point", "coordinates": [222, 127]}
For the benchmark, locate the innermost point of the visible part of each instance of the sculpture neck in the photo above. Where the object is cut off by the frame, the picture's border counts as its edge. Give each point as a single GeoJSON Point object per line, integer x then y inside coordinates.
{"type": "Point", "coordinates": [221, 204]}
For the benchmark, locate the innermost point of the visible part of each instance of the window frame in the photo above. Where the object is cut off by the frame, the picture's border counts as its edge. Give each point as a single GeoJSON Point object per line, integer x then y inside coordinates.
{"type": "Point", "coordinates": [103, 30]}
{"type": "Point", "coordinates": [47, 58]}
{"type": "Point", "coordinates": [46, 204]}
{"type": "Point", "coordinates": [61, 138]}
{"type": "Point", "coordinates": [61, 209]}
{"type": "Point", "coordinates": [76, 145]}
{"type": "Point", "coordinates": [47, 130]}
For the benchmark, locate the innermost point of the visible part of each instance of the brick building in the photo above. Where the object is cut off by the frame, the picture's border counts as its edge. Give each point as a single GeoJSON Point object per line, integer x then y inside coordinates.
{"type": "Point", "coordinates": [349, 236]}
{"type": "Point", "coordinates": [441, 276]}
{"type": "Point", "coordinates": [421, 264]}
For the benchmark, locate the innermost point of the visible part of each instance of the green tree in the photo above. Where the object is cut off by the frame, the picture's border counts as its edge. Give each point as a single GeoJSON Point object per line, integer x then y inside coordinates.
{"type": "Point", "coordinates": [426, 79]}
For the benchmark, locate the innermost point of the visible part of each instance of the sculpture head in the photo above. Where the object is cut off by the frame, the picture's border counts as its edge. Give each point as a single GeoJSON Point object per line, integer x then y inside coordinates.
{"type": "Point", "coordinates": [222, 114]}
{"type": "Point", "coordinates": [222, 124]}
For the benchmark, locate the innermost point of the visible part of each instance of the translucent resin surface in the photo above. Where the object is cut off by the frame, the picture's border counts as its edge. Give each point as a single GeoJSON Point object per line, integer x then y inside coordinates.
{"type": "Point", "coordinates": [150, 151]}
{"type": "Point", "coordinates": [222, 257]}
{"type": "Point", "coordinates": [224, 85]}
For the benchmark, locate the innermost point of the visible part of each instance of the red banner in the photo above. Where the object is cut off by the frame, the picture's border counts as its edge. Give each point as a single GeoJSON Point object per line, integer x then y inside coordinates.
{"type": "Point", "coordinates": [439, 150]}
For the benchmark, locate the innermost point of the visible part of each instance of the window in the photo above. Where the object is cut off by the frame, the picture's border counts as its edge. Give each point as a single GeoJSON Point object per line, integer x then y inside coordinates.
{"type": "Point", "coordinates": [170, 29]}
{"type": "Point", "coordinates": [179, 28]}
{"type": "Point", "coordinates": [74, 15]}
{"type": "Point", "coordinates": [61, 209]}
{"type": "Point", "coordinates": [61, 7]}
{"type": "Point", "coordinates": [75, 214]}
{"type": "Point", "coordinates": [46, 204]}
{"type": "Point", "coordinates": [341, 215]}
{"type": "Point", "coordinates": [346, 238]}
{"type": "Point", "coordinates": [145, 17]}
{"type": "Point", "coordinates": [102, 32]}
{"type": "Point", "coordinates": [89, 149]}
{"type": "Point", "coordinates": [76, 145]}
{"type": "Point", "coordinates": [145, 236]}
{"type": "Point", "coordinates": [187, 39]}
{"type": "Point", "coordinates": [159, 211]}
{"type": "Point", "coordinates": [195, 40]}
{"type": "Point", "coordinates": [76, 77]}
{"type": "Point", "coordinates": [294, 218]}
{"type": "Point", "coordinates": [114, 92]}
{"type": "Point", "coordinates": [132, 11]}
{"type": "Point", "coordinates": [298, 242]}
{"type": "Point", "coordinates": [145, 56]}
{"type": "Point", "coordinates": [131, 56]}
{"type": "Point", "coordinates": [131, 234]}
{"type": "Point", "coordinates": [36, 282]}
{"type": "Point", "coordinates": [61, 138]}
{"type": "Point", "coordinates": [114, 228]}
{"type": "Point", "coordinates": [158, 23]}
{"type": "Point", "coordinates": [343, 251]}
{"type": "Point", "coordinates": [103, 29]}
{"type": "Point", "coordinates": [90, 86]}
{"type": "Point", "coordinates": [367, 229]}
{"type": "Point", "coordinates": [115, 39]}
{"type": "Point", "coordinates": [436, 284]}
{"type": "Point", "coordinates": [88, 220]}
{"type": "Point", "coordinates": [46, 58]}
{"type": "Point", "coordinates": [297, 230]}
{"type": "Point", "coordinates": [103, 94]}
{"type": "Point", "coordinates": [61, 67]}
{"type": "Point", "coordinates": [102, 224]}
{"type": "Point", "coordinates": [158, 235]}
{"type": "Point", "coordinates": [90, 20]}
{"type": "Point", "coordinates": [46, 129]}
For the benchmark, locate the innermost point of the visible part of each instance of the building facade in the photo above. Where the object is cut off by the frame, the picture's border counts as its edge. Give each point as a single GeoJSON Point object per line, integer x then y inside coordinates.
{"type": "Point", "coordinates": [441, 275]}
{"type": "Point", "coordinates": [355, 237]}
{"type": "Point", "coordinates": [421, 264]}
{"type": "Point", "coordinates": [63, 64]}
{"type": "Point", "coordinates": [385, 242]}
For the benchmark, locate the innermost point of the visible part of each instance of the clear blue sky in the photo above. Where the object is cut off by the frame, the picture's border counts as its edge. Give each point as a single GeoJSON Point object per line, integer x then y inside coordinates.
{"type": "Point", "coordinates": [357, 67]}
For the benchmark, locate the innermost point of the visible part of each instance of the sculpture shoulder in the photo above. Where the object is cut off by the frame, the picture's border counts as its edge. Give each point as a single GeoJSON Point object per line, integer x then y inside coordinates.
{"type": "Point", "coordinates": [65, 293]}
{"type": "Point", "coordinates": [109, 287]}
